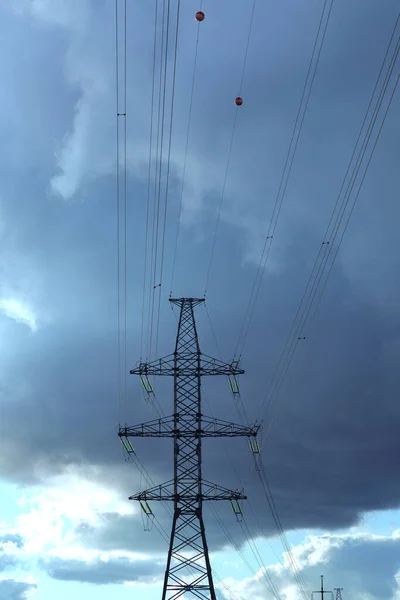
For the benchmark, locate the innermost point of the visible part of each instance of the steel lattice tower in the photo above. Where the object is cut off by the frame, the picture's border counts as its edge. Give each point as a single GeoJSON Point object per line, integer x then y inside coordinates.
{"type": "Point", "coordinates": [188, 570]}
{"type": "Point", "coordinates": [338, 593]}
{"type": "Point", "coordinates": [323, 592]}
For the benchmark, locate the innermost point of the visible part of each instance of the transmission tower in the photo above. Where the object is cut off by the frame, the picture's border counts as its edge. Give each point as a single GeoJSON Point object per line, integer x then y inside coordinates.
{"type": "Point", "coordinates": [338, 593]}
{"type": "Point", "coordinates": [322, 592]}
{"type": "Point", "coordinates": [188, 570]}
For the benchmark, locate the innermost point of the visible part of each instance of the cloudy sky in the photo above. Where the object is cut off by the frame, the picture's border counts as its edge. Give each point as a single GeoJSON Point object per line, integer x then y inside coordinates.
{"type": "Point", "coordinates": [328, 402]}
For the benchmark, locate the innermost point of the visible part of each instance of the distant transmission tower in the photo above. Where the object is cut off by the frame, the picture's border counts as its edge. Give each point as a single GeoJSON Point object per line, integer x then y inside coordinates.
{"type": "Point", "coordinates": [322, 592]}
{"type": "Point", "coordinates": [338, 593]}
{"type": "Point", "coordinates": [188, 570]}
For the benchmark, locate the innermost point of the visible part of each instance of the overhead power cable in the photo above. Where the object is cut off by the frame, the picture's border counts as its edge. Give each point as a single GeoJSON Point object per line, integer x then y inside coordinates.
{"type": "Point", "coordinates": [252, 545]}
{"type": "Point", "coordinates": [349, 190]}
{"type": "Point", "coordinates": [301, 582]}
{"type": "Point", "coordinates": [125, 213]}
{"type": "Point", "coordinates": [159, 164]}
{"type": "Point", "coordinates": [121, 212]}
{"type": "Point", "coordinates": [148, 203]}
{"type": "Point", "coordinates": [268, 583]}
{"type": "Point", "coordinates": [290, 156]}
{"type": "Point", "coordinates": [229, 154]}
{"type": "Point", "coordinates": [118, 215]}
{"type": "Point", "coordinates": [299, 578]}
{"type": "Point", "coordinates": [168, 172]}
{"type": "Point", "coordinates": [161, 25]}
{"type": "Point", "coordinates": [185, 158]}
{"type": "Point", "coordinates": [243, 419]}
{"type": "Point", "coordinates": [340, 218]}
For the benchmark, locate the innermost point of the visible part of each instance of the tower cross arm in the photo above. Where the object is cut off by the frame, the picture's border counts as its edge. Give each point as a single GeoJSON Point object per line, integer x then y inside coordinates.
{"type": "Point", "coordinates": [166, 427]}
{"type": "Point", "coordinates": [163, 427]}
{"type": "Point", "coordinates": [213, 366]}
{"type": "Point", "coordinates": [161, 366]}
{"type": "Point", "coordinates": [210, 491]}
{"type": "Point", "coordinates": [211, 427]}
{"type": "Point", "coordinates": [168, 366]}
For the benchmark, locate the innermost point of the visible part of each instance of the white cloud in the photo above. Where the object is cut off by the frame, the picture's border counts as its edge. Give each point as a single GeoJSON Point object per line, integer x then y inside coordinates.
{"type": "Point", "coordinates": [20, 312]}
{"type": "Point", "coordinates": [48, 534]}
{"type": "Point", "coordinates": [53, 513]}
{"type": "Point", "coordinates": [365, 565]}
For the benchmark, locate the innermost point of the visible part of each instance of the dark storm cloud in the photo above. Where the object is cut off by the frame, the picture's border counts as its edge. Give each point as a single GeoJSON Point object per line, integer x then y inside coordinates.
{"type": "Point", "coordinates": [114, 570]}
{"type": "Point", "coordinates": [333, 451]}
{"type": "Point", "coordinates": [125, 533]}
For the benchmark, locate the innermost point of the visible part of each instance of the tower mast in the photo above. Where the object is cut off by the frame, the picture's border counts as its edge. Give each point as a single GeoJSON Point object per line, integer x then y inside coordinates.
{"type": "Point", "coordinates": [188, 570]}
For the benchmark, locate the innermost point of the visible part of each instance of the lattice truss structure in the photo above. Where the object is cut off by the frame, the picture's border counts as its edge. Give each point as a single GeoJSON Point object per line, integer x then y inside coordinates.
{"type": "Point", "coordinates": [188, 571]}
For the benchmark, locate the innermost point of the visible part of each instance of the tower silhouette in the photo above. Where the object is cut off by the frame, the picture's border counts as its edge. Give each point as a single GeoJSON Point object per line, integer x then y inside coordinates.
{"type": "Point", "coordinates": [188, 571]}
{"type": "Point", "coordinates": [338, 593]}
{"type": "Point", "coordinates": [322, 591]}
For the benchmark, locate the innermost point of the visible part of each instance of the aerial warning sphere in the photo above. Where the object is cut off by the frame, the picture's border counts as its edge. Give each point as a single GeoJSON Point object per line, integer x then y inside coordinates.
{"type": "Point", "coordinates": [238, 101]}
{"type": "Point", "coordinates": [200, 16]}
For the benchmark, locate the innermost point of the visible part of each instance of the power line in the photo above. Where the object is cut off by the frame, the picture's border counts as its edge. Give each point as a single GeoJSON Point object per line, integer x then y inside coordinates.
{"type": "Point", "coordinates": [168, 171]}
{"type": "Point", "coordinates": [156, 168]}
{"type": "Point", "coordinates": [274, 512]}
{"type": "Point", "coordinates": [229, 156]}
{"type": "Point", "coordinates": [253, 547]}
{"type": "Point", "coordinates": [350, 188]}
{"type": "Point", "coordinates": [121, 113]}
{"type": "Point", "coordinates": [296, 333]}
{"type": "Point", "coordinates": [268, 582]}
{"type": "Point", "coordinates": [240, 408]}
{"type": "Point", "coordinates": [125, 216]}
{"type": "Point", "coordinates": [271, 502]}
{"type": "Point", "coordinates": [303, 587]}
{"type": "Point", "coordinates": [220, 204]}
{"type": "Point", "coordinates": [118, 216]}
{"type": "Point", "coordinates": [291, 153]}
{"type": "Point", "coordinates": [237, 547]}
{"type": "Point", "coordinates": [212, 330]}
{"type": "Point", "coordinates": [185, 158]}
{"type": "Point", "coordinates": [294, 346]}
{"type": "Point", "coordinates": [160, 138]}
{"type": "Point", "coordinates": [329, 241]}
{"type": "Point", "coordinates": [149, 178]}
